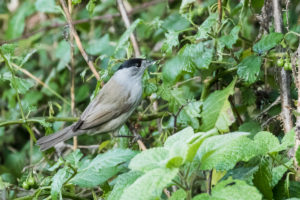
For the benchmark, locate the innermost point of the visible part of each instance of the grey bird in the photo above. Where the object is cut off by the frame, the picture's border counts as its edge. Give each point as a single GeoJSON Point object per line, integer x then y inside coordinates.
{"type": "Point", "coordinates": [110, 109]}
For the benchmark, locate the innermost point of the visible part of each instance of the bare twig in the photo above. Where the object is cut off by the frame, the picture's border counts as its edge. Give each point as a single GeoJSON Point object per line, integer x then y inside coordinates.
{"type": "Point", "coordinates": [277, 101]}
{"type": "Point", "coordinates": [127, 25]}
{"type": "Point", "coordinates": [77, 40]}
{"type": "Point", "coordinates": [284, 75]}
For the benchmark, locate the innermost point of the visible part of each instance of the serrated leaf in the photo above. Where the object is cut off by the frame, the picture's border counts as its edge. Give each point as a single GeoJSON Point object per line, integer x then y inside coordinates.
{"type": "Point", "coordinates": [175, 22]}
{"type": "Point", "coordinates": [279, 171]}
{"type": "Point", "coordinates": [59, 162]}
{"type": "Point", "coordinates": [74, 158]}
{"type": "Point", "coordinates": [229, 40]}
{"type": "Point", "coordinates": [173, 69]}
{"type": "Point", "coordinates": [124, 38]}
{"type": "Point", "coordinates": [185, 4]}
{"type": "Point", "coordinates": [181, 136]}
{"type": "Point", "coordinates": [206, 26]}
{"type": "Point", "coordinates": [263, 178]}
{"type": "Point", "coordinates": [57, 181]}
{"type": "Point", "coordinates": [267, 42]}
{"type": "Point", "coordinates": [249, 68]}
{"type": "Point", "coordinates": [47, 6]}
{"type": "Point", "coordinates": [217, 112]}
{"type": "Point", "coordinates": [150, 185]}
{"type": "Point", "coordinates": [149, 159]}
{"type": "Point", "coordinates": [178, 195]}
{"type": "Point", "coordinates": [190, 114]}
{"type": "Point", "coordinates": [170, 41]}
{"type": "Point", "coordinates": [123, 181]}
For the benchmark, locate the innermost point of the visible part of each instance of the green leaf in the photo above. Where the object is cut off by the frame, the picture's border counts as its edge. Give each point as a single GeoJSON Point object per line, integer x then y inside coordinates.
{"type": "Point", "coordinates": [252, 126]}
{"type": "Point", "coordinates": [207, 26]}
{"type": "Point", "coordinates": [63, 53]}
{"type": "Point", "coordinates": [190, 114]}
{"type": "Point", "coordinates": [249, 68]}
{"type": "Point", "coordinates": [91, 6]}
{"type": "Point", "coordinates": [16, 24]}
{"type": "Point", "coordinates": [185, 4]}
{"type": "Point", "coordinates": [267, 42]}
{"type": "Point", "coordinates": [150, 185]}
{"type": "Point", "coordinates": [173, 69]}
{"type": "Point", "coordinates": [59, 162]}
{"type": "Point", "coordinates": [233, 190]}
{"type": "Point", "coordinates": [74, 157]}
{"type": "Point", "coordinates": [74, 2]}
{"type": "Point", "coordinates": [170, 41]}
{"type": "Point", "coordinates": [179, 137]}
{"type": "Point", "coordinates": [57, 181]}
{"type": "Point", "coordinates": [94, 176]}
{"type": "Point", "coordinates": [100, 46]}
{"type": "Point", "coordinates": [297, 155]}
{"type": "Point", "coordinates": [22, 85]}
{"type": "Point", "coordinates": [178, 195]}
{"type": "Point", "coordinates": [47, 6]}
{"type": "Point", "coordinates": [149, 159]}
{"type": "Point", "coordinates": [124, 38]}
{"type": "Point", "coordinates": [217, 112]}
{"type": "Point", "coordinates": [263, 179]}
{"type": "Point", "coordinates": [229, 40]}
{"type": "Point", "coordinates": [175, 22]}
{"type": "Point", "coordinates": [242, 173]}
{"type": "Point", "coordinates": [122, 182]}
{"type": "Point", "coordinates": [8, 49]}
{"type": "Point", "coordinates": [279, 171]}
{"type": "Point", "coordinates": [287, 141]}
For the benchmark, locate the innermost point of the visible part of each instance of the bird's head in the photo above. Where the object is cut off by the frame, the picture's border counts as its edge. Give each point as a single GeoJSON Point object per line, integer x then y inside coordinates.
{"type": "Point", "coordinates": [135, 66]}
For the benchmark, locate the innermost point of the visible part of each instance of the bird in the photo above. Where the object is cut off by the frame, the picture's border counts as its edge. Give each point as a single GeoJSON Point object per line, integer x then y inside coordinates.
{"type": "Point", "coordinates": [111, 108]}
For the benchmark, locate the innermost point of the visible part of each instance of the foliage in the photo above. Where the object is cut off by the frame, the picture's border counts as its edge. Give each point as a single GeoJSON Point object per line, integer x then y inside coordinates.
{"type": "Point", "coordinates": [204, 117]}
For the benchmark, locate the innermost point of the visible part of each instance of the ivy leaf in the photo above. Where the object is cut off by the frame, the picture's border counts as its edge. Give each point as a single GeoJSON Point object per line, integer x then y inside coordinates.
{"type": "Point", "coordinates": [217, 111]}
{"type": "Point", "coordinates": [57, 181]}
{"type": "Point", "coordinates": [123, 181]}
{"type": "Point", "coordinates": [267, 42]}
{"type": "Point", "coordinates": [150, 185]}
{"type": "Point", "coordinates": [170, 42]}
{"type": "Point", "coordinates": [124, 38]}
{"type": "Point", "coordinates": [229, 40]}
{"type": "Point", "coordinates": [249, 68]}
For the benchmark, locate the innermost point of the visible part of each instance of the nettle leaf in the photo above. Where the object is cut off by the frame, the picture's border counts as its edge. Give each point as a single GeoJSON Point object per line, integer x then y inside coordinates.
{"type": "Point", "coordinates": [190, 114]}
{"type": "Point", "coordinates": [249, 68]}
{"type": "Point", "coordinates": [267, 42]}
{"type": "Point", "coordinates": [22, 85]}
{"type": "Point", "coordinates": [123, 181]}
{"type": "Point", "coordinates": [101, 168]}
{"type": "Point", "coordinates": [74, 2]}
{"type": "Point", "coordinates": [149, 159]}
{"type": "Point", "coordinates": [199, 55]}
{"type": "Point", "coordinates": [263, 178]}
{"type": "Point", "coordinates": [173, 69]}
{"type": "Point", "coordinates": [231, 190]}
{"type": "Point", "coordinates": [150, 185]}
{"type": "Point", "coordinates": [124, 38]}
{"type": "Point", "coordinates": [178, 195]}
{"type": "Point", "coordinates": [279, 171]}
{"type": "Point", "coordinates": [47, 6]}
{"type": "Point", "coordinates": [217, 112]}
{"type": "Point", "coordinates": [207, 26]}
{"type": "Point", "coordinates": [100, 46]}
{"type": "Point", "coordinates": [170, 41]}
{"type": "Point", "coordinates": [8, 49]}
{"type": "Point", "coordinates": [287, 141]}
{"type": "Point", "coordinates": [16, 24]}
{"type": "Point", "coordinates": [242, 173]}
{"type": "Point", "coordinates": [74, 158]}
{"type": "Point", "coordinates": [175, 22]}
{"type": "Point", "coordinates": [185, 4]}
{"type": "Point", "coordinates": [297, 155]}
{"type": "Point", "coordinates": [57, 181]}
{"type": "Point", "coordinates": [229, 40]}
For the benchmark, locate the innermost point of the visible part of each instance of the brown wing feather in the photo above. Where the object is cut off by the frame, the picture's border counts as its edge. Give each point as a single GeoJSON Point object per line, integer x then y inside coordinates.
{"type": "Point", "coordinates": [105, 106]}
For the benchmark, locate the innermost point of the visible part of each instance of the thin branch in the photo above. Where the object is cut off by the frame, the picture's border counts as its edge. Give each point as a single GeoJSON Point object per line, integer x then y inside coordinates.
{"type": "Point", "coordinates": [127, 25]}
{"type": "Point", "coordinates": [285, 77]}
{"type": "Point", "coordinates": [82, 21]}
{"type": "Point", "coordinates": [297, 138]}
{"type": "Point", "coordinates": [77, 40]}
{"type": "Point", "coordinates": [277, 101]}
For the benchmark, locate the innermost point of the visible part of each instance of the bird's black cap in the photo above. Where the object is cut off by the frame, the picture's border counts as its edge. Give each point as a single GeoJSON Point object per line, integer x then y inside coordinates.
{"type": "Point", "coordinates": [133, 62]}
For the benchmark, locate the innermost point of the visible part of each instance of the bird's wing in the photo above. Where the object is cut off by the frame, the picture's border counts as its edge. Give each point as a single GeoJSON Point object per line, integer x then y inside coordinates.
{"type": "Point", "coordinates": [105, 106]}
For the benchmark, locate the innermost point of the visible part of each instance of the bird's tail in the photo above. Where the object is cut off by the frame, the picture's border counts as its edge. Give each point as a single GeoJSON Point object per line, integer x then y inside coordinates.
{"type": "Point", "coordinates": [49, 141]}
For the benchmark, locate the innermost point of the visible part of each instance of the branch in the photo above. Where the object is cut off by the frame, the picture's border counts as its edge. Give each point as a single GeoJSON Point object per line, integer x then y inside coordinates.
{"type": "Point", "coordinates": [82, 21]}
{"type": "Point", "coordinates": [127, 25]}
{"type": "Point", "coordinates": [77, 40]}
{"type": "Point", "coordinates": [285, 78]}
{"type": "Point", "coordinates": [297, 138]}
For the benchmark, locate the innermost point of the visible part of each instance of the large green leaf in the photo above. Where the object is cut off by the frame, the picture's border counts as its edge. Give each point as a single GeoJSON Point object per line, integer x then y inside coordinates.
{"type": "Point", "coordinates": [217, 112]}
{"type": "Point", "coordinates": [207, 26]}
{"type": "Point", "coordinates": [22, 85]}
{"type": "Point", "coordinates": [74, 157]}
{"type": "Point", "coordinates": [231, 190]}
{"type": "Point", "coordinates": [174, 68]}
{"type": "Point", "coordinates": [263, 179]}
{"type": "Point", "coordinates": [249, 68]}
{"type": "Point", "coordinates": [170, 41]}
{"type": "Point", "coordinates": [47, 6]}
{"type": "Point", "coordinates": [229, 40]}
{"type": "Point", "coordinates": [122, 182]}
{"type": "Point", "coordinates": [150, 185]}
{"type": "Point", "coordinates": [149, 159]}
{"type": "Point", "coordinates": [17, 22]}
{"type": "Point", "coordinates": [57, 181]}
{"type": "Point", "coordinates": [279, 171]}
{"type": "Point", "coordinates": [267, 42]}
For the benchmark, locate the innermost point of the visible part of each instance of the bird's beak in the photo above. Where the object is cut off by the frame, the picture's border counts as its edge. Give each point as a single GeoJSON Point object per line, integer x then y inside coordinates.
{"type": "Point", "coordinates": [150, 62]}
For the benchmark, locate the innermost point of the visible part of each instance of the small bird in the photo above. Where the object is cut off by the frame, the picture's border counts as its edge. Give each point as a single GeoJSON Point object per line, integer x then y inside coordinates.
{"type": "Point", "coordinates": [110, 109]}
